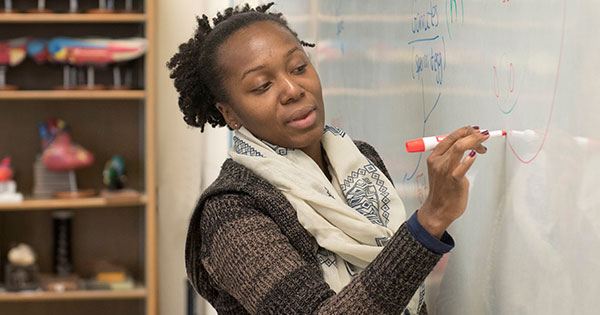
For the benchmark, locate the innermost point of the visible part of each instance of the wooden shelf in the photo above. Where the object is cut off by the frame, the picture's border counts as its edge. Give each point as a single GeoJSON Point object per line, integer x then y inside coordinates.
{"type": "Point", "coordinates": [73, 95]}
{"type": "Point", "coordinates": [72, 18]}
{"type": "Point", "coordinates": [52, 204]}
{"type": "Point", "coordinates": [139, 293]}
{"type": "Point", "coordinates": [133, 239]}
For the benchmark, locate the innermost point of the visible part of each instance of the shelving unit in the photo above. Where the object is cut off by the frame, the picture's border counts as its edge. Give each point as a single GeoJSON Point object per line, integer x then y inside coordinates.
{"type": "Point", "coordinates": [105, 122]}
{"type": "Point", "coordinates": [73, 95]}
{"type": "Point", "coordinates": [138, 293]}
{"type": "Point", "coordinates": [72, 18]}
{"type": "Point", "coordinates": [57, 204]}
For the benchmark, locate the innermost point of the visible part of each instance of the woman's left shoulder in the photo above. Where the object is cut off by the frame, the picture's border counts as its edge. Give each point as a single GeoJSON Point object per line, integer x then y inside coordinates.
{"type": "Point", "coordinates": [364, 147]}
{"type": "Point", "coordinates": [370, 153]}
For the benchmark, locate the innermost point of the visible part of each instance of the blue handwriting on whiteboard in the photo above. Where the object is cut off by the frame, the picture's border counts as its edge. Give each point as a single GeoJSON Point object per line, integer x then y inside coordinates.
{"type": "Point", "coordinates": [423, 21]}
{"type": "Point", "coordinates": [432, 59]}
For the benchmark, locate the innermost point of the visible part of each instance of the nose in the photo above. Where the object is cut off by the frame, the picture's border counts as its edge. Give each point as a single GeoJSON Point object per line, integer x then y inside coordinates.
{"type": "Point", "coordinates": [291, 91]}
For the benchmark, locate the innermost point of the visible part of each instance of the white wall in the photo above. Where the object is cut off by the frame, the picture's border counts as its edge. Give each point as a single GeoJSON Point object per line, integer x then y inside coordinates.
{"type": "Point", "coordinates": [181, 154]}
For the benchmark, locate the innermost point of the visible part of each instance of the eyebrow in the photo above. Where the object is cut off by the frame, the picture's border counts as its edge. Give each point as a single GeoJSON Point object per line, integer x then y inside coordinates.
{"type": "Point", "coordinates": [287, 54]}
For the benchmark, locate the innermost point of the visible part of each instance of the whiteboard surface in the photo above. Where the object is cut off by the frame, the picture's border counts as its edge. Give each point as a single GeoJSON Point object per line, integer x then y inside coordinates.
{"type": "Point", "coordinates": [392, 71]}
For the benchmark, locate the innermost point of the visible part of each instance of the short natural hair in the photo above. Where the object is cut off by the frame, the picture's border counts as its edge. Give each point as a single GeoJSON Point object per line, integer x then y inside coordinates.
{"type": "Point", "coordinates": [198, 79]}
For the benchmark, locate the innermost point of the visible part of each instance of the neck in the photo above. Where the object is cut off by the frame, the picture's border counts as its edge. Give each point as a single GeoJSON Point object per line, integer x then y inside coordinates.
{"type": "Point", "coordinates": [315, 152]}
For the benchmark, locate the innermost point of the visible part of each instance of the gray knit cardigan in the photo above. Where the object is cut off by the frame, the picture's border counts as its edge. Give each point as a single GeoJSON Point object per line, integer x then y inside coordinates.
{"type": "Point", "coordinates": [246, 253]}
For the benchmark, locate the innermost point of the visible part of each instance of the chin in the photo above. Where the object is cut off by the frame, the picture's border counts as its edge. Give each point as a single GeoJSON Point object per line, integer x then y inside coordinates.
{"type": "Point", "coordinates": [311, 136]}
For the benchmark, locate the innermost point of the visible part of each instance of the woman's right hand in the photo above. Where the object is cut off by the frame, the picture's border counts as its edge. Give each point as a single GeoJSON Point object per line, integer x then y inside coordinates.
{"type": "Point", "coordinates": [448, 185]}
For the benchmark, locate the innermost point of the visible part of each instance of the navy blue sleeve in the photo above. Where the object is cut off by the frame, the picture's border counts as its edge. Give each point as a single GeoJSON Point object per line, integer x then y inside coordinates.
{"type": "Point", "coordinates": [441, 246]}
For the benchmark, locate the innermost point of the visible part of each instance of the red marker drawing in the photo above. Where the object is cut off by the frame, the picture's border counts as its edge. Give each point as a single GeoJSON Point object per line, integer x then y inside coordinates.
{"type": "Point", "coordinates": [429, 143]}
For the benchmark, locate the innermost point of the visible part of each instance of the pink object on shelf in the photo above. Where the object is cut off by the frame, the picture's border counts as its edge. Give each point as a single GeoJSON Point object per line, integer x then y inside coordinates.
{"type": "Point", "coordinates": [63, 155]}
{"type": "Point", "coordinates": [6, 172]}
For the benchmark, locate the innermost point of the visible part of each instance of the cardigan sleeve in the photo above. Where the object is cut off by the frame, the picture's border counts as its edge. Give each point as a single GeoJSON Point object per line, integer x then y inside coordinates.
{"type": "Point", "coordinates": [245, 254]}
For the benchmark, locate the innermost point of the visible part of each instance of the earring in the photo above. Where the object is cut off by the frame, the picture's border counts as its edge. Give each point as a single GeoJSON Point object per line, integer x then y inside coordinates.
{"type": "Point", "coordinates": [236, 125]}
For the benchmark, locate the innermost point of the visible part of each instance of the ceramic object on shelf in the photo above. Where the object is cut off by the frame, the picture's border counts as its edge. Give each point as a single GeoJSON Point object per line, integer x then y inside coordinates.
{"type": "Point", "coordinates": [60, 154]}
{"type": "Point", "coordinates": [8, 187]}
{"type": "Point", "coordinates": [118, 52]}
{"type": "Point", "coordinates": [6, 172]}
{"type": "Point", "coordinates": [12, 53]}
{"type": "Point", "coordinates": [21, 271]}
{"type": "Point", "coordinates": [90, 53]}
{"type": "Point", "coordinates": [114, 175]}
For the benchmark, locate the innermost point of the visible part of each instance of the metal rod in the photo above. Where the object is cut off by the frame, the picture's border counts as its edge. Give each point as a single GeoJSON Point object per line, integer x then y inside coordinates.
{"type": "Point", "coordinates": [128, 77]}
{"type": "Point", "coordinates": [117, 76]}
{"type": "Point", "coordinates": [79, 78]}
{"type": "Point", "coordinates": [90, 76]}
{"type": "Point", "coordinates": [2, 76]}
{"type": "Point", "coordinates": [73, 6]}
{"type": "Point", "coordinates": [66, 76]}
{"type": "Point", "coordinates": [72, 181]}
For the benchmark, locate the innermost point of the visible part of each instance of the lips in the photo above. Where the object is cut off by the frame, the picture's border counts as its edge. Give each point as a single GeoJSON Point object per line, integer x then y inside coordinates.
{"type": "Point", "coordinates": [302, 118]}
{"type": "Point", "coordinates": [300, 114]}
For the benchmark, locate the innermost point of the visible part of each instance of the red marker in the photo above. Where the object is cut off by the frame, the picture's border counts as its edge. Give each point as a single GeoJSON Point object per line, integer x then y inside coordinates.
{"type": "Point", "coordinates": [429, 143]}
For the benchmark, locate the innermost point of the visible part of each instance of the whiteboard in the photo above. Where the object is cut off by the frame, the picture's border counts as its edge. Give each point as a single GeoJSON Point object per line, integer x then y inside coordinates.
{"type": "Point", "coordinates": [529, 242]}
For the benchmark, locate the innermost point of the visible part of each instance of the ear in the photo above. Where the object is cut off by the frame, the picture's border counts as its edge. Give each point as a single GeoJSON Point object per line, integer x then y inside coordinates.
{"type": "Point", "coordinates": [231, 118]}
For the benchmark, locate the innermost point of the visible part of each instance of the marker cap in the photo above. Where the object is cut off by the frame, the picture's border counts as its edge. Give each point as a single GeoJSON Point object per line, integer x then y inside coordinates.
{"type": "Point", "coordinates": [417, 145]}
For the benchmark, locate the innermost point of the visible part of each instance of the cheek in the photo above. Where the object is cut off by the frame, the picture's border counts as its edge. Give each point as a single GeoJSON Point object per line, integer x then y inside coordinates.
{"type": "Point", "coordinates": [259, 112]}
{"type": "Point", "coordinates": [314, 84]}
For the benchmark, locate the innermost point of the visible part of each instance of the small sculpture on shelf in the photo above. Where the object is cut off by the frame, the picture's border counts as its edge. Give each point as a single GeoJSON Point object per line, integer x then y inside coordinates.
{"type": "Point", "coordinates": [60, 154]}
{"type": "Point", "coordinates": [59, 151]}
{"type": "Point", "coordinates": [95, 52]}
{"type": "Point", "coordinates": [21, 272]}
{"type": "Point", "coordinates": [114, 177]}
{"type": "Point", "coordinates": [12, 53]}
{"type": "Point", "coordinates": [8, 187]}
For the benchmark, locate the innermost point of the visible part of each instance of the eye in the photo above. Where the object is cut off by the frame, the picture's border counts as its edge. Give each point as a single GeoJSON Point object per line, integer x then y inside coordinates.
{"type": "Point", "coordinates": [300, 69]}
{"type": "Point", "coordinates": [262, 88]}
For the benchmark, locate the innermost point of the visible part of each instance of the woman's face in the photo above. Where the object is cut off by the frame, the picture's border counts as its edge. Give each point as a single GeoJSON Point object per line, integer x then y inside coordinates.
{"type": "Point", "coordinates": [273, 89]}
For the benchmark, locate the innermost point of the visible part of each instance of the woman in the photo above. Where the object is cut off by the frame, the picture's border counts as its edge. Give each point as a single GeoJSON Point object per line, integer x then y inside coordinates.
{"type": "Point", "coordinates": [302, 219]}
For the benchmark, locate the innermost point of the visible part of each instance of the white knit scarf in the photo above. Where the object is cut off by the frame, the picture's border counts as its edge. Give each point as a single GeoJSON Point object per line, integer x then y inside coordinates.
{"type": "Point", "coordinates": [352, 217]}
